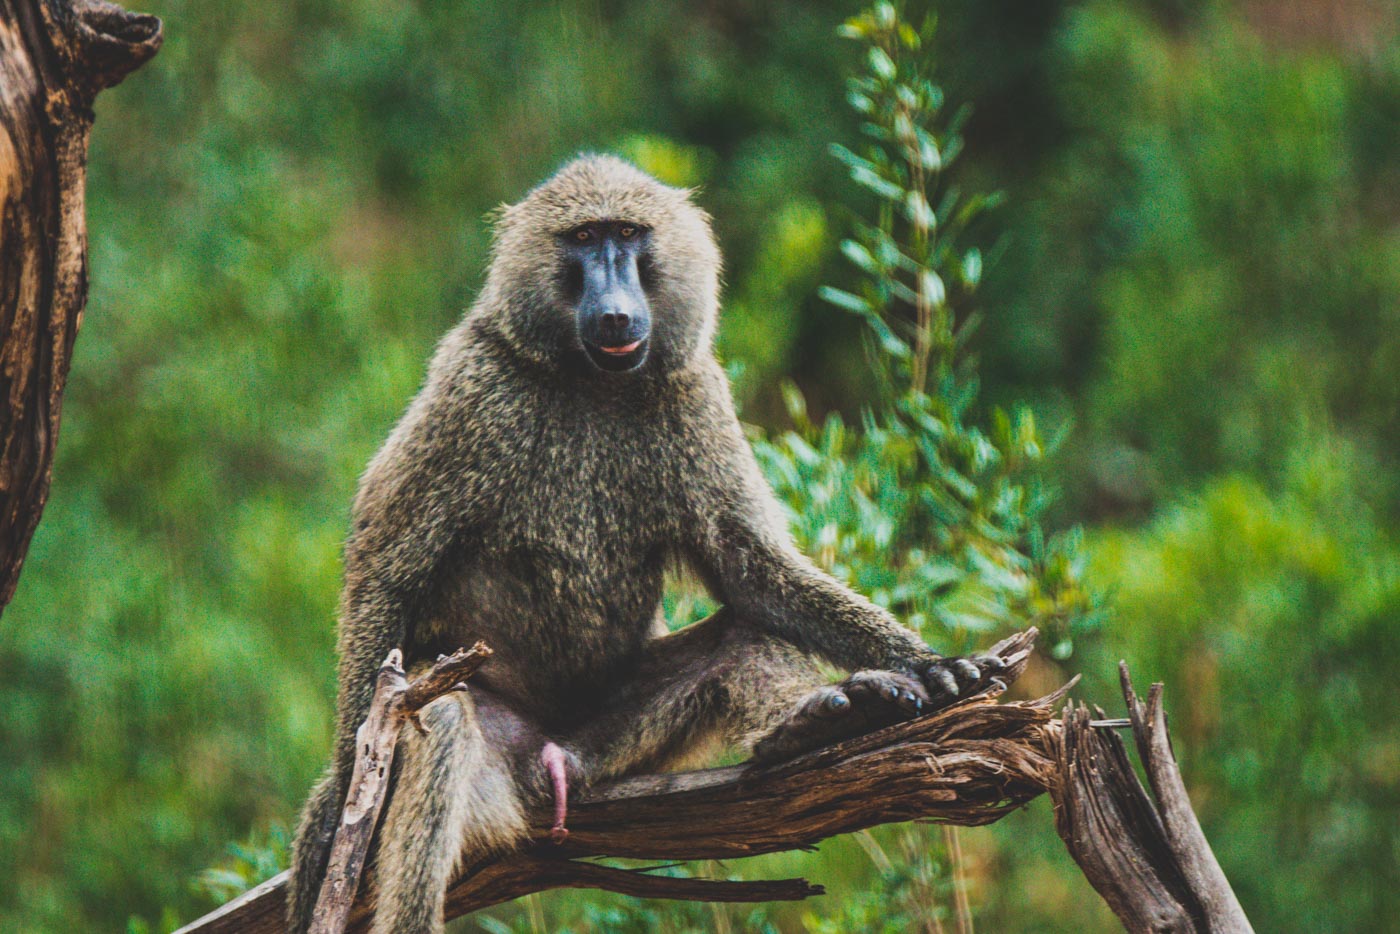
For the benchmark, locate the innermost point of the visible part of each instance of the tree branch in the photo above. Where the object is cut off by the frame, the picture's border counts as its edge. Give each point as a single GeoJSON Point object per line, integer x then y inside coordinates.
{"type": "Point", "coordinates": [1149, 860]}
{"type": "Point", "coordinates": [970, 764]}
{"type": "Point", "coordinates": [396, 701]}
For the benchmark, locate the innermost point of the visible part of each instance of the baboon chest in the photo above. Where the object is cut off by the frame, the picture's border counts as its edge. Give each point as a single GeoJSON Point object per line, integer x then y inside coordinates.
{"type": "Point", "coordinates": [587, 499]}
{"type": "Point", "coordinates": [571, 572]}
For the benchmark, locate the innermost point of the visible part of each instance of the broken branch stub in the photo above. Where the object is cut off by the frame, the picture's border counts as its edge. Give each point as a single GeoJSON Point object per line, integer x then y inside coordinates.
{"type": "Point", "coordinates": [395, 701]}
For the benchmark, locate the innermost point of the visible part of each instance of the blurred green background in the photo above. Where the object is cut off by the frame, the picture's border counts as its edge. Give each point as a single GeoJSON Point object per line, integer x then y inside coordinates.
{"type": "Point", "coordinates": [1198, 285]}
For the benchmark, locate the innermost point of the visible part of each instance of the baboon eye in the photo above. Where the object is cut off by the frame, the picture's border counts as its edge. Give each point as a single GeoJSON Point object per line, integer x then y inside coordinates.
{"type": "Point", "coordinates": [627, 232]}
{"type": "Point", "coordinates": [583, 235]}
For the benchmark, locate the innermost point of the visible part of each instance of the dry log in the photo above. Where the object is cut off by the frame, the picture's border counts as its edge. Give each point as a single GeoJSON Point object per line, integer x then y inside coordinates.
{"type": "Point", "coordinates": [55, 56]}
{"type": "Point", "coordinates": [970, 764]}
{"type": "Point", "coordinates": [396, 701]}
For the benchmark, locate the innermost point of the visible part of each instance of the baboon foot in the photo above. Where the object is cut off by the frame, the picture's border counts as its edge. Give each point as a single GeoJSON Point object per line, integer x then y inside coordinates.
{"type": "Point", "coordinates": [869, 700]}
{"type": "Point", "coordinates": [865, 701]}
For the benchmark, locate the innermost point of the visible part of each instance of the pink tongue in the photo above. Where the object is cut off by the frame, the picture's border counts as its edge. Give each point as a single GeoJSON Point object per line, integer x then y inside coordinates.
{"type": "Point", "coordinates": [622, 350]}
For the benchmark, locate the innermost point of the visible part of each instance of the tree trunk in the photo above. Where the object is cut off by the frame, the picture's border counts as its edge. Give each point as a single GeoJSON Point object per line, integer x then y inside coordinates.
{"type": "Point", "coordinates": [55, 56]}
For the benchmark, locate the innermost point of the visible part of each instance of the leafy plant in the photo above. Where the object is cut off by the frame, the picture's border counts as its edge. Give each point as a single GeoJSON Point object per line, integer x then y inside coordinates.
{"type": "Point", "coordinates": [248, 863]}
{"type": "Point", "coordinates": [934, 515]}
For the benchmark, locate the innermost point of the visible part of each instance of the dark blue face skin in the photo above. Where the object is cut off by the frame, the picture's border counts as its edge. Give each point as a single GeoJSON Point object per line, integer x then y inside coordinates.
{"type": "Point", "coordinates": [604, 267]}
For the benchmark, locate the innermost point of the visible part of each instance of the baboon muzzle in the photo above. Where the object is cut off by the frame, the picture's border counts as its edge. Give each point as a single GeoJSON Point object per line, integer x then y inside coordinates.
{"type": "Point", "coordinates": [613, 318]}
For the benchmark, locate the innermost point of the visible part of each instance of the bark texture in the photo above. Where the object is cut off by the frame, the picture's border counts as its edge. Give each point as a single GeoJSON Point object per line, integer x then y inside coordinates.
{"type": "Point", "coordinates": [1145, 854]}
{"type": "Point", "coordinates": [55, 56]}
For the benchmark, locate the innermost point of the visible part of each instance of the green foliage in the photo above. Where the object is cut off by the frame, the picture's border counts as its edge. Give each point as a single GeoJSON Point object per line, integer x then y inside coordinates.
{"type": "Point", "coordinates": [255, 860]}
{"type": "Point", "coordinates": [934, 517]}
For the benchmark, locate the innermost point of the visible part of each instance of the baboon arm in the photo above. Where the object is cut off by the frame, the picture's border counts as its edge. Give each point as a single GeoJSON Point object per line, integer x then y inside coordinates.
{"type": "Point", "coordinates": [777, 588]}
{"type": "Point", "coordinates": [418, 499]}
{"type": "Point", "coordinates": [747, 556]}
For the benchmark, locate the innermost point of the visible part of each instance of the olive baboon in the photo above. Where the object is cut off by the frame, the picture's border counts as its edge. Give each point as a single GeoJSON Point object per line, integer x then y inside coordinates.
{"type": "Point", "coordinates": [574, 438]}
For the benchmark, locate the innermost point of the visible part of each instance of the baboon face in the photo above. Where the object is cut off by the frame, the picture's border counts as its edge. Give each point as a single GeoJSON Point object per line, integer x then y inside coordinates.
{"type": "Point", "coordinates": [605, 264]}
{"type": "Point", "coordinates": [603, 267]}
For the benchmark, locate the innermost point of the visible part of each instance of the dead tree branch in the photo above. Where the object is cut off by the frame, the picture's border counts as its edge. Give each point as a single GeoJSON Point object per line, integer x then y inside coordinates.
{"type": "Point", "coordinates": [55, 56]}
{"type": "Point", "coordinates": [396, 701]}
{"type": "Point", "coordinates": [968, 765]}
{"type": "Point", "coordinates": [1148, 859]}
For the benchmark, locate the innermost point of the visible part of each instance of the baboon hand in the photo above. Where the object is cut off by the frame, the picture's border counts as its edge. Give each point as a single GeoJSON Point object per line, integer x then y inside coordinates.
{"type": "Point", "coordinates": [950, 679]}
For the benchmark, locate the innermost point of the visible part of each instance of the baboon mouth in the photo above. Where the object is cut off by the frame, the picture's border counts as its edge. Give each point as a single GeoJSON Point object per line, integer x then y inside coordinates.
{"type": "Point", "coordinates": [618, 358]}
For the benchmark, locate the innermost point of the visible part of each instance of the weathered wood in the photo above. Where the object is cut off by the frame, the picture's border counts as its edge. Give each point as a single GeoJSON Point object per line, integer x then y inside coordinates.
{"type": "Point", "coordinates": [1220, 906]}
{"type": "Point", "coordinates": [1147, 858]}
{"type": "Point", "coordinates": [970, 764]}
{"type": "Point", "coordinates": [55, 56]}
{"type": "Point", "coordinates": [396, 701]}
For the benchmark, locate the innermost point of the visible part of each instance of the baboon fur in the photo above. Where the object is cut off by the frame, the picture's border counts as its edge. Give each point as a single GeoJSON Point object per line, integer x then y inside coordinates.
{"type": "Point", "coordinates": [529, 499]}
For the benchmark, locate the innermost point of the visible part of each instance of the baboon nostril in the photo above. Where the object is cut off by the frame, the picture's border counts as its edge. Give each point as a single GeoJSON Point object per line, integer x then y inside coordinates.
{"type": "Point", "coordinates": [616, 319]}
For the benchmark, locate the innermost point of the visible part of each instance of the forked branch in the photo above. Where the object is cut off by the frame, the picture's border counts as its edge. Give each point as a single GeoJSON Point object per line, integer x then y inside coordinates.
{"type": "Point", "coordinates": [970, 764]}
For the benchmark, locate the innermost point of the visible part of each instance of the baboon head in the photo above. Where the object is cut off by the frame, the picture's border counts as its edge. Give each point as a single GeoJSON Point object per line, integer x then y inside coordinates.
{"type": "Point", "coordinates": [605, 267]}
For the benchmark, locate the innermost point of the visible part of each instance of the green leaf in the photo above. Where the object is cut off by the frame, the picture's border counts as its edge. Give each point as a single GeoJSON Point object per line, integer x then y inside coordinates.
{"type": "Point", "coordinates": [794, 402]}
{"type": "Point", "coordinates": [918, 212]}
{"type": "Point", "coordinates": [853, 28]}
{"type": "Point", "coordinates": [952, 145]}
{"type": "Point", "coordinates": [889, 341]}
{"type": "Point", "coordinates": [881, 186]}
{"type": "Point", "coordinates": [929, 156]}
{"type": "Point", "coordinates": [850, 159]}
{"type": "Point", "coordinates": [928, 27]}
{"type": "Point", "coordinates": [875, 132]}
{"type": "Point", "coordinates": [841, 299]}
{"type": "Point", "coordinates": [881, 64]}
{"type": "Point", "coordinates": [860, 256]}
{"type": "Point", "coordinates": [903, 128]}
{"type": "Point", "coordinates": [933, 289]}
{"type": "Point", "coordinates": [972, 266]}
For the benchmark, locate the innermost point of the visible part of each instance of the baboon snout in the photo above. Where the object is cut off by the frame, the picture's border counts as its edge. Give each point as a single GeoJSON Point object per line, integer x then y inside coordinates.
{"type": "Point", "coordinates": [616, 320]}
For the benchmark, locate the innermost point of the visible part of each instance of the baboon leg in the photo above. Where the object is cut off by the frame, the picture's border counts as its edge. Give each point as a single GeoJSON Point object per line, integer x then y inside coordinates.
{"type": "Point", "coordinates": [312, 847]}
{"type": "Point", "coordinates": [725, 679]}
{"type": "Point", "coordinates": [718, 681]}
{"type": "Point", "coordinates": [454, 799]}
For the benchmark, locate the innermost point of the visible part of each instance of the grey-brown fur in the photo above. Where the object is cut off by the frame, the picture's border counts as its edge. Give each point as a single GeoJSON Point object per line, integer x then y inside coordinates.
{"type": "Point", "coordinates": [529, 499]}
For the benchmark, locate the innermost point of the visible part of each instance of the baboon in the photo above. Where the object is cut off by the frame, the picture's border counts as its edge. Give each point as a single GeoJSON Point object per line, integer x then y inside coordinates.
{"type": "Point", "coordinates": [574, 439]}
